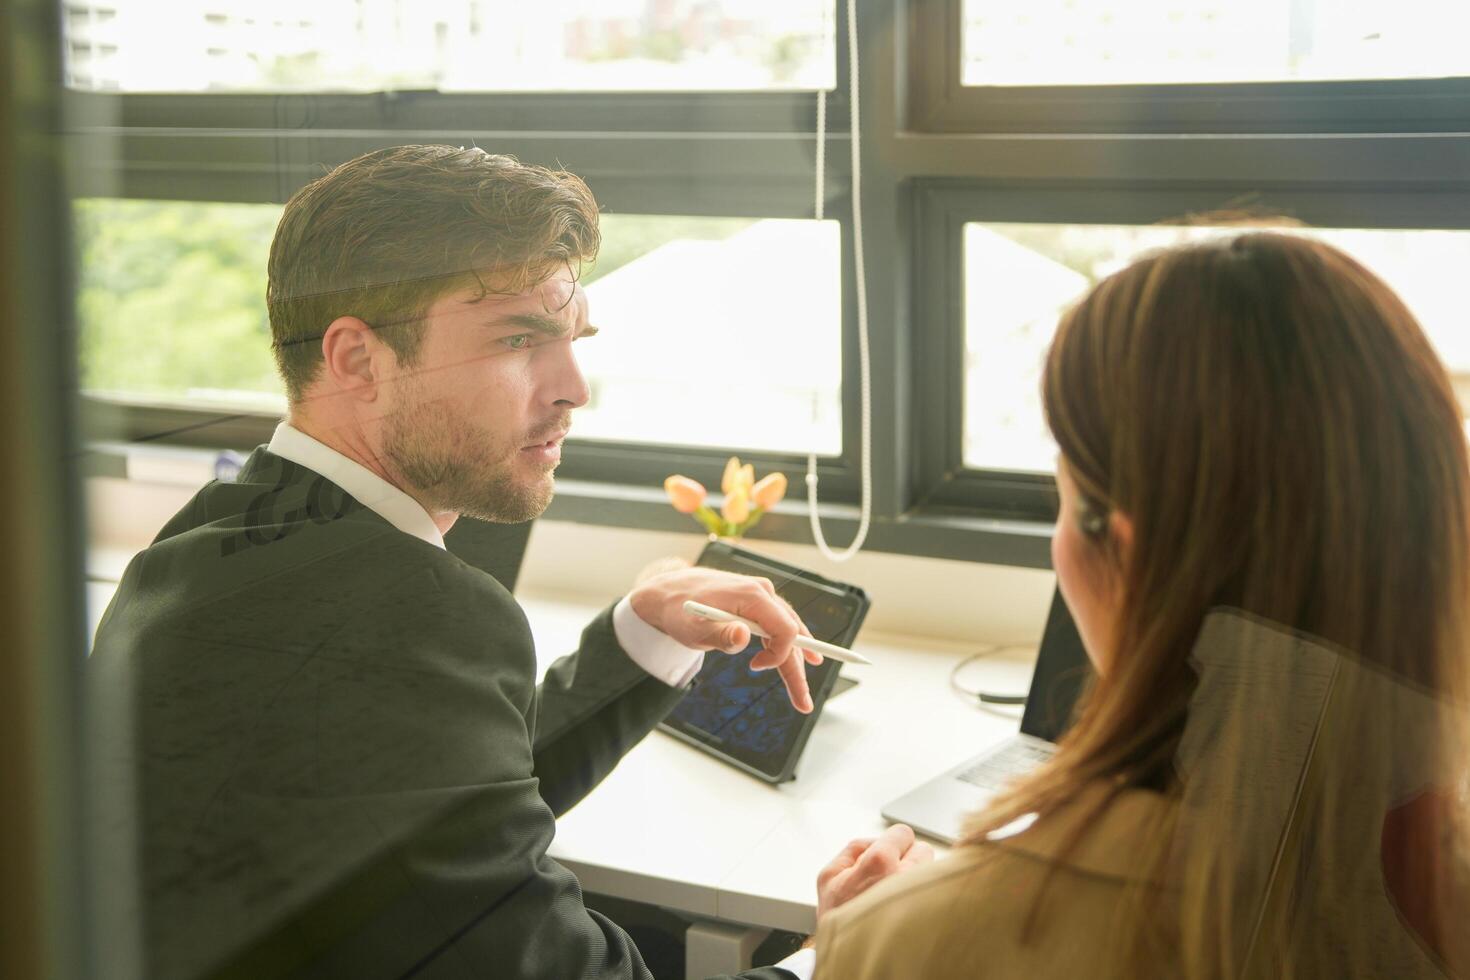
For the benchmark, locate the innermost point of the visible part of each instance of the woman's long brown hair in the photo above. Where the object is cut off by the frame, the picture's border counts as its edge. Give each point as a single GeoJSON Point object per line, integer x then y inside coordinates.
{"type": "Point", "coordinates": [1286, 442]}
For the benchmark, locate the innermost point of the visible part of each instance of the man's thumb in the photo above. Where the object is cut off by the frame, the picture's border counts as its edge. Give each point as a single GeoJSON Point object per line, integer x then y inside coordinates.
{"type": "Point", "coordinates": [735, 637]}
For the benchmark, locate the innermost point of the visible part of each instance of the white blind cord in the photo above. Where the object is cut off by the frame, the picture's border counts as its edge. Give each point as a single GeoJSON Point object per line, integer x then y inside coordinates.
{"type": "Point", "coordinates": [865, 462]}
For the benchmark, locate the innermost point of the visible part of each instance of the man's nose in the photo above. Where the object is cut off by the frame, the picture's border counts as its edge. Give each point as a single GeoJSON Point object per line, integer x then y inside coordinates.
{"type": "Point", "coordinates": [564, 384]}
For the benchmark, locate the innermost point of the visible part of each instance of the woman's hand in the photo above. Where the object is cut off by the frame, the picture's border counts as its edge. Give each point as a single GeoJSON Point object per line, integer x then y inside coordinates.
{"type": "Point", "coordinates": [867, 861]}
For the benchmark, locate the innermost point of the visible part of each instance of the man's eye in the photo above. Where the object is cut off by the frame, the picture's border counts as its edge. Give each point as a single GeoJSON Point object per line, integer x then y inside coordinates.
{"type": "Point", "coordinates": [519, 342]}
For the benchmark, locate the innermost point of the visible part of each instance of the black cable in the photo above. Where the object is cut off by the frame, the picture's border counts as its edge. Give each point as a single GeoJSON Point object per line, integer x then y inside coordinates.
{"type": "Point", "coordinates": [984, 697]}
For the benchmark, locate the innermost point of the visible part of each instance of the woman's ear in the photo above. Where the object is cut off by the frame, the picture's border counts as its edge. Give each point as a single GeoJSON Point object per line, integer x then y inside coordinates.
{"type": "Point", "coordinates": [1120, 531]}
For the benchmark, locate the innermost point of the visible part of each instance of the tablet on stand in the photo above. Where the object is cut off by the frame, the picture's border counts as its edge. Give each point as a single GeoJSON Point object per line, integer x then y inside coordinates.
{"type": "Point", "coordinates": [744, 717]}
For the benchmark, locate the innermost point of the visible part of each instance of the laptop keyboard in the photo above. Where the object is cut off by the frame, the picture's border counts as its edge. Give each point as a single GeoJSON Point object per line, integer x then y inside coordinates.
{"type": "Point", "coordinates": [1000, 767]}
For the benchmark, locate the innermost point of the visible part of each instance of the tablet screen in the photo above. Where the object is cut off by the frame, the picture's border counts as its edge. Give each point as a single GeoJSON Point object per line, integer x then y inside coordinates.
{"type": "Point", "coordinates": [746, 715]}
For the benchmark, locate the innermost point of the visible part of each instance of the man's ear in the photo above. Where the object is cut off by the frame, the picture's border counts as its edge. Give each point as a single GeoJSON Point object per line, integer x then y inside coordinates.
{"type": "Point", "coordinates": [351, 356]}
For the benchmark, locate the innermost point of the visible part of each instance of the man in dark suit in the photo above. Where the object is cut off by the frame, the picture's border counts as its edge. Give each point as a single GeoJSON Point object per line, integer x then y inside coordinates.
{"type": "Point", "coordinates": [318, 731]}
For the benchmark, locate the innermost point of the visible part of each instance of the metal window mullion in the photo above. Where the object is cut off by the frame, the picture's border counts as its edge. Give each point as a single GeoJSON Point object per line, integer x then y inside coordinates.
{"type": "Point", "coordinates": [263, 166]}
{"type": "Point", "coordinates": [408, 111]}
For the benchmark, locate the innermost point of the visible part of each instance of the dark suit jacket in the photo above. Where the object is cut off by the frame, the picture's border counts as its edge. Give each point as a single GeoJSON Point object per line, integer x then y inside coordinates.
{"type": "Point", "coordinates": [329, 739]}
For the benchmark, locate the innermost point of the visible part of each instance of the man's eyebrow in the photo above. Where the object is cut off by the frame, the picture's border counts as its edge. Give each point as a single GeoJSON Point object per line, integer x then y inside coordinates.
{"type": "Point", "coordinates": [550, 326]}
{"type": "Point", "coordinates": [544, 325]}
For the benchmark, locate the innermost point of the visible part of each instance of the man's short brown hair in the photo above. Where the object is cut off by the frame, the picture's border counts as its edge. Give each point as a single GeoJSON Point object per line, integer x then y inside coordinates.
{"type": "Point", "coordinates": [383, 236]}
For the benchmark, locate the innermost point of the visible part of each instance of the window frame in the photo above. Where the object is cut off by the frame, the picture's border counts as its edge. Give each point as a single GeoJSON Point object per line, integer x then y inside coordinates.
{"type": "Point", "coordinates": [751, 154]}
{"type": "Point", "coordinates": [939, 102]}
{"type": "Point", "coordinates": [947, 206]}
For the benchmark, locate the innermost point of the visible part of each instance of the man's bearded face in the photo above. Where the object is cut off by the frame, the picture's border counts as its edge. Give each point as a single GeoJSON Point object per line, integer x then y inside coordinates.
{"type": "Point", "coordinates": [465, 466]}
{"type": "Point", "coordinates": [476, 422]}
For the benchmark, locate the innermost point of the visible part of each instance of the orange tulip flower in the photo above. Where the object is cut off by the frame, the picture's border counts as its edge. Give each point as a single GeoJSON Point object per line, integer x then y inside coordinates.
{"type": "Point", "coordinates": [769, 491]}
{"type": "Point", "coordinates": [731, 478]}
{"type": "Point", "coordinates": [745, 499]}
{"type": "Point", "coordinates": [737, 506]}
{"type": "Point", "coordinates": [685, 494]}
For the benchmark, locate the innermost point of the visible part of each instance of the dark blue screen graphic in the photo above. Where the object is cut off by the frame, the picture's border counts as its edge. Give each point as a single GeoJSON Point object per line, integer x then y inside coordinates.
{"type": "Point", "coordinates": [735, 707]}
{"type": "Point", "coordinates": [747, 715]}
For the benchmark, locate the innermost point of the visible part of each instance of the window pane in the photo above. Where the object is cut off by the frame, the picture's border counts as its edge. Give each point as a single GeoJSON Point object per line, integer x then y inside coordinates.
{"type": "Point", "coordinates": [715, 331]}
{"type": "Point", "coordinates": [449, 45]}
{"type": "Point", "coordinates": [1019, 278]}
{"type": "Point", "coordinates": [1084, 42]}
{"type": "Point", "coordinates": [171, 302]}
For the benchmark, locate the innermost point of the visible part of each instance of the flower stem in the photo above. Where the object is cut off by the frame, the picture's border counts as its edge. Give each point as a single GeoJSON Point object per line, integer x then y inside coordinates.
{"type": "Point", "coordinates": [712, 522]}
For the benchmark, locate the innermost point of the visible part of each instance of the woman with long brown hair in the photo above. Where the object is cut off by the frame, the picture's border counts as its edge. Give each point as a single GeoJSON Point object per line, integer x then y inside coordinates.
{"type": "Point", "coordinates": [1264, 538]}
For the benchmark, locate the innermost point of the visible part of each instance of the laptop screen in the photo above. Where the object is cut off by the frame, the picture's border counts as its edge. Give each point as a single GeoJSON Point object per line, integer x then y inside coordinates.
{"type": "Point", "coordinates": [497, 549]}
{"type": "Point", "coordinates": [1062, 669]}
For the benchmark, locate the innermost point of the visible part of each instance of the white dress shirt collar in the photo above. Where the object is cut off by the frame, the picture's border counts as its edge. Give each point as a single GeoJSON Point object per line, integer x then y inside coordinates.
{"type": "Point", "coordinates": [365, 486]}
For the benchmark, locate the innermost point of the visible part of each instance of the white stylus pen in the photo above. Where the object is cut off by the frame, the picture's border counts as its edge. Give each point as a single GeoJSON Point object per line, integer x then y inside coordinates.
{"type": "Point", "coordinates": [805, 642]}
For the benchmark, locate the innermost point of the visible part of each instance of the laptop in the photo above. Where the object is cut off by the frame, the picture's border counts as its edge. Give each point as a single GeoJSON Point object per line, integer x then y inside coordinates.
{"type": "Point", "coordinates": [497, 549]}
{"type": "Point", "coordinates": [939, 807]}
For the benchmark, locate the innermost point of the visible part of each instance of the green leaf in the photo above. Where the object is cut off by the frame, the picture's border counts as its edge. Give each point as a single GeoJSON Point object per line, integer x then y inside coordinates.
{"type": "Point", "coordinates": [711, 521]}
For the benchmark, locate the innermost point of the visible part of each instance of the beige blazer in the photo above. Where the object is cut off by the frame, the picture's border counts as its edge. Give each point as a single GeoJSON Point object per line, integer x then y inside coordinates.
{"type": "Point", "coordinates": [966, 914]}
{"type": "Point", "coordinates": [1261, 704]}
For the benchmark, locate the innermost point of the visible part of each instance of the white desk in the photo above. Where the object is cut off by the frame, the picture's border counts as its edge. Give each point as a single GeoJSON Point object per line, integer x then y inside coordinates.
{"type": "Point", "coordinates": [677, 828]}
